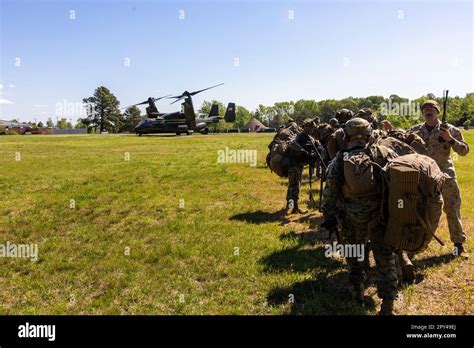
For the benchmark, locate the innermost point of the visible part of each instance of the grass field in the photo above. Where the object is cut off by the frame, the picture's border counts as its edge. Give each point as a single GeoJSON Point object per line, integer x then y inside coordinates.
{"type": "Point", "coordinates": [114, 237]}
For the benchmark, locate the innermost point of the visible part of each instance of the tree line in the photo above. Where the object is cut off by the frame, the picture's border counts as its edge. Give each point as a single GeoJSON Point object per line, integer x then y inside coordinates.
{"type": "Point", "coordinates": [103, 113]}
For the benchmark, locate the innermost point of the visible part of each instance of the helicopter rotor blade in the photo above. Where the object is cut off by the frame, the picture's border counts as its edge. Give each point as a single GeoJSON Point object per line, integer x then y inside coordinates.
{"type": "Point", "coordinates": [184, 94]}
{"type": "Point", "coordinates": [177, 100]}
{"type": "Point", "coordinates": [146, 101]}
{"type": "Point", "coordinates": [158, 98]}
{"type": "Point", "coordinates": [205, 89]}
{"type": "Point", "coordinates": [126, 107]}
{"type": "Point", "coordinates": [175, 97]}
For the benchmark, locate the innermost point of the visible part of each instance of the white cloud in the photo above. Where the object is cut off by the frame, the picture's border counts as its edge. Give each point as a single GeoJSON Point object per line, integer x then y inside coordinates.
{"type": "Point", "coordinates": [11, 86]}
{"type": "Point", "coordinates": [1, 86]}
{"type": "Point", "coordinates": [5, 102]}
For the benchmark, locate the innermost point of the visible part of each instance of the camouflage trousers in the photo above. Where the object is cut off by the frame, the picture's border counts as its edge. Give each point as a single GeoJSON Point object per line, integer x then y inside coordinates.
{"type": "Point", "coordinates": [295, 176]}
{"type": "Point", "coordinates": [359, 225]}
{"type": "Point", "coordinates": [452, 208]}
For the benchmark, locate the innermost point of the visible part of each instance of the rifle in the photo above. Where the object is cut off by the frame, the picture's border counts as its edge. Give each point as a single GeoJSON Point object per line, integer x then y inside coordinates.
{"type": "Point", "coordinates": [331, 226]}
{"type": "Point", "coordinates": [311, 172]}
{"type": "Point", "coordinates": [444, 124]}
{"type": "Point", "coordinates": [321, 161]}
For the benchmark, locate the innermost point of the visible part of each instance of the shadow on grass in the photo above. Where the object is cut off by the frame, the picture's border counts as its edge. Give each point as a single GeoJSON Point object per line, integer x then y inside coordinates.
{"type": "Point", "coordinates": [260, 217]}
{"type": "Point", "coordinates": [295, 259]}
{"type": "Point", "coordinates": [326, 294]}
{"type": "Point", "coordinates": [433, 261]}
{"type": "Point", "coordinates": [422, 264]}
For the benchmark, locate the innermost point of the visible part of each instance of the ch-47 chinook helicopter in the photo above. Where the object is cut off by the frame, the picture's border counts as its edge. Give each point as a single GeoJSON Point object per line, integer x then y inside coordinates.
{"type": "Point", "coordinates": [184, 121]}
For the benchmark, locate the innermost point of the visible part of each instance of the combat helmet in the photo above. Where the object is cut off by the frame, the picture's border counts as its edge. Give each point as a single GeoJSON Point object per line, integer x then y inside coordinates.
{"type": "Point", "coordinates": [366, 114]}
{"type": "Point", "coordinates": [357, 129]}
{"type": "Point", "coordinates": [344, 115]}
{"type": "Point", "coordinates": [333, 122]}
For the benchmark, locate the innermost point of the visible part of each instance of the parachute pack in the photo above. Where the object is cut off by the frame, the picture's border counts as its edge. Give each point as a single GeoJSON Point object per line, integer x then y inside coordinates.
{"type": "Point", "coordinates": [414, 201]}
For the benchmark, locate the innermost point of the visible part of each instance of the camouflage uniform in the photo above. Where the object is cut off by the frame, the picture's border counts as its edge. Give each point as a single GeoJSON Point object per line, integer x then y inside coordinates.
{"type": "Point", "coordinates": [360, 220]}
{"type": "Point", "coordinates": [336, 141]}
{"type": "Point", "coordinates": [441, 153]}
{"type": "Point", "coordinates": [295, 177]}
{"type": "Point", "coordinates": [298, 156]}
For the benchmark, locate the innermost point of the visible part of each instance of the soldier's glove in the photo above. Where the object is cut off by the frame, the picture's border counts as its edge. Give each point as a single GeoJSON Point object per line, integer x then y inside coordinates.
{"type": "Point", "coordinates": [329, 224]}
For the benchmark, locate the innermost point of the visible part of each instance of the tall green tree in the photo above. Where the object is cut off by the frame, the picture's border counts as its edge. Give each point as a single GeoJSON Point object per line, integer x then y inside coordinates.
{"type": "Point", "coordinates": [132, 118]}
{"type": "Point", "coordinates": [102, 110]}
{"type": "Point", "coordinates": [49, 123]}
{"type": "Point", "coordinates": [280, 113]}
{"type": "Point", "coordinates": [242, 116]}
{"type": "Point", "coordinates": [305, 109]}
{"type": "Point", "coordinates": [63, 123]}
{"type": "Point", "coordinates": [262, 113]}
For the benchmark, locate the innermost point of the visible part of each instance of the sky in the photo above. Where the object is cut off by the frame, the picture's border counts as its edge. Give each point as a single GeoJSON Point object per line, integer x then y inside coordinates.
{"type": "Point", "coordinates": [54, 53]}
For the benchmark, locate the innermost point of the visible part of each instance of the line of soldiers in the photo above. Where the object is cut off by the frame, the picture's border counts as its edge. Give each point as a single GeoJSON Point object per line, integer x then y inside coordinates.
{"type": "Point", "coordinates": [349, 135]}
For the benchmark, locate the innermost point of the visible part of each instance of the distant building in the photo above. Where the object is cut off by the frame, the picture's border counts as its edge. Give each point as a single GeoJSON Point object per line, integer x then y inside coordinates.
{"type": "Point", "coordinates": [69, 131]}
{"type": "Point", "coordinates": [20, 128]}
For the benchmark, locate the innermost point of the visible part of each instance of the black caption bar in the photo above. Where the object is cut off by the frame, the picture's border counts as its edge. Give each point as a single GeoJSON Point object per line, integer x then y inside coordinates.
{"type": "Point", "coordinates": [224, 330]}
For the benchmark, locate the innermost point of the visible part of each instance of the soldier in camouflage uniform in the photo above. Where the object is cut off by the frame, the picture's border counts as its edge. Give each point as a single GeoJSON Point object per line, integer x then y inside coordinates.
{"type": "Point", "coordinates": [336, 141]}
{"type": "Point", "coordinates": [300, 152]}
{"type": "Point", "coordinates": [359, 217]}
{"type": "Point", "coordinates": [430, 131]}
{"type": "Point", "coordinates": [367, 114]}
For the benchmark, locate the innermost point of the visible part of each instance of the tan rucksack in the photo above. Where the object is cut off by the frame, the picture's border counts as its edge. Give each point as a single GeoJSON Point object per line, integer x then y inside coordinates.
{"type": "Point", "coordinates": [410, 138]}
{"type": "Point", "coordinates": [276, 158]}
{"type": "Point", "coordinates": [361, 171]}
{"type": "Point", "coordinates": [414, 201]}
{"type": "Point", "coordinates": [400, 147]}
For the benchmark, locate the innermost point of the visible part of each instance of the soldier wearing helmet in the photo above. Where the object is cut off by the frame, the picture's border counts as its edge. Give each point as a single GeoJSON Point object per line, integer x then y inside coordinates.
{"type": "Point", "coordinates": [352, 200]}
{"type": "Point", "coordinates": [301, 152]}
{"type": "Point", "coordinates": [334, 123]}
{"type": "Point", "coordinates": [336, 142]}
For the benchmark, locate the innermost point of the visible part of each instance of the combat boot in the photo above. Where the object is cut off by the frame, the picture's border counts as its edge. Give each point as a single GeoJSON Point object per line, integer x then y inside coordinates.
{"type": "Point", "coordinates": [297, 210]}
{"type": "Point", "coordinates": [387, 307]}
{"type": "Point", "coordinates": [408, 269]}
{"type": "Point", "coordinates": [460, 251]}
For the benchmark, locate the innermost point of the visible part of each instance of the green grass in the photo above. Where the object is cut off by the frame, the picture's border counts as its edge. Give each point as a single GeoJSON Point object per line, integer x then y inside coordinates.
{"type": "Point", "coordinates": [182, 260]}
